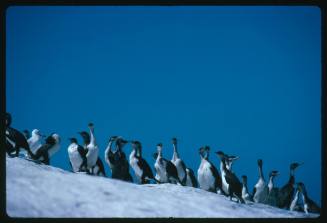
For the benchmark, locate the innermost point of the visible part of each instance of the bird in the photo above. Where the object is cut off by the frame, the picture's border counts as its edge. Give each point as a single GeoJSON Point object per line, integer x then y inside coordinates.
{"type": "Point", "coordinates": [165, 169]}
{"type": "Point", "coordinates": [141, 168]}
{"type": "Point", "coordinates": [234, 184]}
{"type": "Point", "coordinates": [35, 141]}
{"type": "Point", "coordinates": [77, 156]}
{"type": "Point", "coordinates": [94, 162]}
{"type": "Point", "coordinates": [15, 140]}
{"type": "Point", "coordinates": [295, 204]}
{"type": "Point", "coordinates": [208, 175]}
{"type": "Point", "coordinates": [224, 184]}
{"type": "Point", "coordinates": [46, 151]}
{"type": "Point", "coordinates": [286, 192]}
{"type": "Point", "coordinates": [190, 178]}
{"type": "Point", "coordinates": [117, 160]}
{"type": "Point", "coordinates": [179, 163]}
{"type": "Point", "coordinates": [260, 189]}
{"type": "Point", "coordinates": [272, 195]}
{"type": "Point", "coordinates": [308, 204]}
{"type": "Point", "coordinates": [245, 192]}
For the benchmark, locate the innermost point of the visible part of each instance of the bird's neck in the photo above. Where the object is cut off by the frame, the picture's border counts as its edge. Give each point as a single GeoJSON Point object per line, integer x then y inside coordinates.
{"type": "Point", "coordinates": [292, 178]}
{"type": "Point", "coordinates": [109, 147]}
{"type": "Point", "coordinates": [175, 154]}
{"type": "Point", "coordinates": [261, 173]}
{"type": "Point", "coordinates": [92, 140]}
{"type": "Point", "coordinates": [271, 183]}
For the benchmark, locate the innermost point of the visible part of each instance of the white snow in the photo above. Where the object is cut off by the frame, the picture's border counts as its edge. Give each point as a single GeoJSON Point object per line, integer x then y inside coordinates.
{"type": "Point", "coordinates": [35, 190]}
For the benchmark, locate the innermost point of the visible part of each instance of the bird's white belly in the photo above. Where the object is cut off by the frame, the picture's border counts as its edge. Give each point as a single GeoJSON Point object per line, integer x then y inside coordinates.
{"type": "Point", "coordinates": [138, 171]}
{"type": "Point", "coordinates": [92, 155]}
{"type": "Point", "coordinates": [53, 150]}
{"type": "Point", "coordinates": [188, 181]}
{"type": "Point", "coordinates": [34, 145]}
{"type": "Point", "coordinates": [75, 159]}
{"type": "Point", "coordinates": [161, 172]}
{"type": "Point", "coordinates": [225, 185]}
{"type": "Point", "coordinates": [205, 177]}
{"type": "Point", "coordinates": [261, 191]}
{"type": "Point", "coordinates": [180, 171]}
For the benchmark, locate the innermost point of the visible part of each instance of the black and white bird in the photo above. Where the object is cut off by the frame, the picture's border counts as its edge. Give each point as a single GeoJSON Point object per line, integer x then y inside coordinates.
{"type": "Point", "coordinates": [308, 204]}
{"type": "Point", "coordinates": [166, 171]}
{"type": "Point", "coordinates": [77, 156]}
{"type": "Point", "coordinates": [208, 175]}
{"type": "Point", "coordinates": [35, 141]}
{"type": "Point", "coordinates": [179, 163]}
{"type": "Point", "coordinates": [109, 154]}
{"type": "Point", "coordinates": [233, 183]}
{"type": "Point", "coordinates": [272, 195]}
{"type": "Point", "coordinates": [228, 162]}
{"type": "Point", "coordinates": [141, 168]}
{"type": "Point", "coordinates": [190, 178]}
{"type": "Point", "coordinates": [94, 162]}
{"type": "Point", "coordinates": [245, 192]}
{"type": "Point", "coordinates": [295, 204]}
{"type": "Point", "coordinates": [15, 140]}
{"type": "Point", "coordinates": [286, 192]}
{"type": "Point", "coordinates": [117, 159]}
{"type": "Point", "coordinates": [47, 150]}
{"type": "Point", "coordinates": [260, 189]}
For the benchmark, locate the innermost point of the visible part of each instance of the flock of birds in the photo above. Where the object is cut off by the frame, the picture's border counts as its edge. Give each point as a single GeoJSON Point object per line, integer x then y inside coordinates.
{"type": "Point", "coordinates": [292, 196]}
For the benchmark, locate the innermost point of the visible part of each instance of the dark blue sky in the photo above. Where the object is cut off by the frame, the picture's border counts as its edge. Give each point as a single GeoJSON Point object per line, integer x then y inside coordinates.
{"type": "Point", "coordinates": [245, 80]}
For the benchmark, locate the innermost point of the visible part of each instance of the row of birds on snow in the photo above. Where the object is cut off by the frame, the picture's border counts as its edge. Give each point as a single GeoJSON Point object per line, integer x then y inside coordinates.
{"type": "Point", "coordinates": [86, 159]}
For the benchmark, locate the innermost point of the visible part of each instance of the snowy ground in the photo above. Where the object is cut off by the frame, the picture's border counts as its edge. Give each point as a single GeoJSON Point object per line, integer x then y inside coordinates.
{"type": "Point", "coordinates": [43, 191]}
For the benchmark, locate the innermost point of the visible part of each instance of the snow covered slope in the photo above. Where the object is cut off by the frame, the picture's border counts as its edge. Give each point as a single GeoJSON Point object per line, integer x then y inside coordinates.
{"type": "Point", "coordinates": [43, 191]}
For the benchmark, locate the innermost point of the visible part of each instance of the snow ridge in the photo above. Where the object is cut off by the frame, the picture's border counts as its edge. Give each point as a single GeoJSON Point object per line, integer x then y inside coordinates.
{"type": "Point", "coordinates": [35, 190]}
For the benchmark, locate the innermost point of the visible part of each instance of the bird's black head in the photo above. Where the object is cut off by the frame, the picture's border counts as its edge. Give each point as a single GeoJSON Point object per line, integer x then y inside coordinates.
{"type": "Point", "coordinates": [273, 173]}
{"type": "Point", "coordinates": [113, 138]}
{"type": "Point", "coordinates": [136, 144]}
{"type": "Point", "coordinates": [8, 119]}
{"type": "Point", "coordinates": [221, 154]}
{"type": "Point", "coordinates": [73, 140]}
{"type": "Point", "coordinates": [121, 142]}
{"type": "Point", "coordinates": [293, 166]}
{"type": "Point", "coordinates": [260, 162]}
{"type": "Point", "coordinates": [207, 148]}
{"type": "Point", "coordinates": [244, 179]}
{"type": "Point", "coordinates": [174, 140]}
{"type": "Point", "coordinates": [85, 136]}
{"type": "Point", "coordinates": [159, 144]}
{"type": "Point", "coordinates": [91, 125]}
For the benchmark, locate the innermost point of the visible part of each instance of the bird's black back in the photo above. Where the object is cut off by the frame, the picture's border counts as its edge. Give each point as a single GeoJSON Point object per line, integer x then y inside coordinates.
{"type": "Point", "coordinates": [17, 137]}
{"type": "Point", "coordinates": [215, 173]}
{"type": "Point", "coordinates": [193, 179]}
{"type": "Point", "coordinates": [147, 172]}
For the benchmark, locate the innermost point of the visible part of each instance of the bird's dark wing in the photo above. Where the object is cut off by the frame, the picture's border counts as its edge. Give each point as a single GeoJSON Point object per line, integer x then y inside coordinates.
{"type": "Point", "coordinates": [42, 151]}
{"type": "Point", "coordinates": [99, 163]}
{"type": "Point", "coordinates": [216, 175]}
{"type": "Point", "coordinates": [17, 137]}
{"type": "Point", "coordinates": [171, 168]}
{"type": "Point", "coordinates": [254, 190]}
{"type": "Point", "coordinates": [193, 179]}
{"type": "Point", "coordinates": [50, 140]}
{"type": "Point", "coordinates": [81, 151]}
{"type": "Point", "coordinates": [146, 168]}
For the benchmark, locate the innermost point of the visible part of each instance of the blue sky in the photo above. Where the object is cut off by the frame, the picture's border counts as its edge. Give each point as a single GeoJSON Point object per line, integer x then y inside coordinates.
{"type": "Point", "coordinates": [245, 80]}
